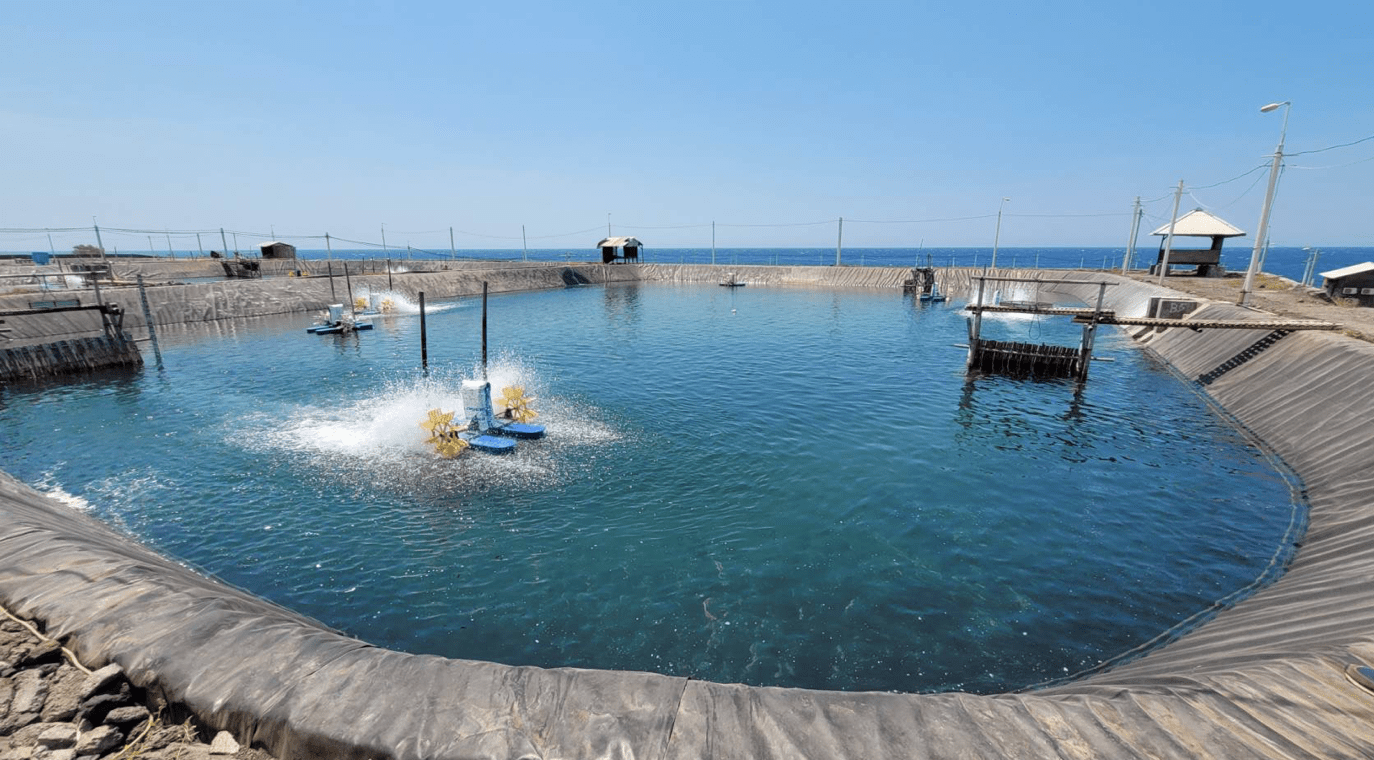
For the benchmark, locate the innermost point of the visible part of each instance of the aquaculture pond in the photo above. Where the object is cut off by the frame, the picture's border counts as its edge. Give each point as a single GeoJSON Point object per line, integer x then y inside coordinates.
{"type": "Point", "coordinates": [772, 486]}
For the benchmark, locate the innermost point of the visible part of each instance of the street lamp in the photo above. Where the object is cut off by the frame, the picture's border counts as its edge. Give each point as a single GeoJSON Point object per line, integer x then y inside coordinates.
{"type": "Point", "coordinates": [998, 234]}
{"type": "Point", "coordinates": [1263, 230]}
{"type": "Point", "coordinates": [1309, 271]}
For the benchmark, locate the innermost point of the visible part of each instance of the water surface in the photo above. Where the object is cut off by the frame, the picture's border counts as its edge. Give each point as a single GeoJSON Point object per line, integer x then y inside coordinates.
{"type": "Point", "coordinates": [768, 486]}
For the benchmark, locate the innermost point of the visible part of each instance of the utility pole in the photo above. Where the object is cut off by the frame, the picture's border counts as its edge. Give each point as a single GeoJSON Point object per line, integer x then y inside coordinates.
{"type": "Point", "coordinates": [524, 244]}
{"type": "Point", "coordinates": [1169, 238]}
{"type": "Point", "coordinates": [997, 236]}
{"type": "Point", "coordinates": [1262, 234]}
{"type": "Point", "coordinates": [839, 242]}
{"type": "Point", "coordinates": [1135, 231]}
{"type": "Point", "coordinates": [98, 244]}
{"type": "Point", "coordinates": [713, 243]}
{"type": "Point", "coordinates": [451, 254]}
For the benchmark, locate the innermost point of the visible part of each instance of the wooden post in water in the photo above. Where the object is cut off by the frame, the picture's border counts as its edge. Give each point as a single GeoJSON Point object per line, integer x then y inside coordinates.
{"type": "Point", "coordinates": [484, 329]}
{"type": "Point", "coordinates": [977, 327]}
{"type": "Point", "coordinates": [424, 336]}
{"type": "Point", "coordinates": [148, 318]}
{"type": "Point", "coordinates": [331, 281]}
{"type": "Point", "coordinates": [349, 283]}
{"type": "Point", "coordinates": [1085, 356]}
{"type": "Point", "coordinates": [388, 274]}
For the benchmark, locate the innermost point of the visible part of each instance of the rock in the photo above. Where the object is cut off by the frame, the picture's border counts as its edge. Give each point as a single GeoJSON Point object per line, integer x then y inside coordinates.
{"type": "Point", "coordinates": [126, 716]}
{"type": "Point", "coordinates": [60, 736]}
{"type": "Point", "coordinates": [29, 692]}
{"type": "Point", "coordinates": [6, 692]}
{"type": "Point", "coordinates": [18, 753]}
{"type": "Point", "coordinates": [64, 694]}
{"type": "Point", "coordinates": [224, 744]}
{"type": "Point", "coordinates": [101, 680]}
{"type": "Point", "coordinates": [98, 740]}
{"type": "Point", "coordinates": [57, 754]}
{"type": "Point", "coordinates": [6, 669]}
{"type": "Point", "coordinates": [41, 653]}
{"type": "Point", "coordinates": [28, 735]}
{"type": "Point", "coordinates": [97, 707]}
{"type": "Point", "coordinates": [183, 751]}
{"type": "Point", "coordinates": [14, 721]}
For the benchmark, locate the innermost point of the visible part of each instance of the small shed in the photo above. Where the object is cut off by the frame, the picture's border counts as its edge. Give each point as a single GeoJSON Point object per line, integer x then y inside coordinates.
{"type": "Point", "coordinates": [277, 250]}
{"type": "Point", "coordinates": [1356, 282]}
{"type": "Point", "coordinates": [624, 248]}
{"type": "Point", "coordinates": [1196, 223]}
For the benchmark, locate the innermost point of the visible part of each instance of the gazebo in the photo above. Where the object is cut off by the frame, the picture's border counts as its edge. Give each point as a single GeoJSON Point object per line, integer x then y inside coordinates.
{"type": "Point", "coordinates": [624, 248]}
{"type": "Point", "coordinates": [1196, 223]}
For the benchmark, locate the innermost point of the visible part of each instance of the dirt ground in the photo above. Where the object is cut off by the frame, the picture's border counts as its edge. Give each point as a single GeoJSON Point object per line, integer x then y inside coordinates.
{"type": "Point", "coordinates": [1276, 295]}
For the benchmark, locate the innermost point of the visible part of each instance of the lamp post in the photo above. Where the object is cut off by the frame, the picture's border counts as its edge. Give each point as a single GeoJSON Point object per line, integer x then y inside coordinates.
{"type": "Point", "coordinates": [998, 234]}
{"type": "Point", "coordinates": [1263, 230]}
{"type": "Point", "coordinates": [1309, 270]}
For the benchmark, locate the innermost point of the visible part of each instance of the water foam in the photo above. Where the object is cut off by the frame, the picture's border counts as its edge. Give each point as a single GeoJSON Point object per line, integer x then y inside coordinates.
{"type": "Point", "coordinates": [377, 437]}
{"type": "Point", "coordinates": [403, 304]}
{"type": "Point", "coordinates": [48, 486]}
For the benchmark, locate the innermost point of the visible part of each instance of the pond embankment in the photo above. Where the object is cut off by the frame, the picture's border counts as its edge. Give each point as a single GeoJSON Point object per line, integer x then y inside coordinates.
{"type": "Point", "coordinates": [1265, 678]}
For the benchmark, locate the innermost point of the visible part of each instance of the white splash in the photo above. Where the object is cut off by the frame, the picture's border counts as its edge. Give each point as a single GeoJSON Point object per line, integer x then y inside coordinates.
{"type": "Point", "coordinates": [402, 304]}
{"type": "Point", "coordinates": [49, 487]}
{"type": "Point", "coordinates": [378, 437]}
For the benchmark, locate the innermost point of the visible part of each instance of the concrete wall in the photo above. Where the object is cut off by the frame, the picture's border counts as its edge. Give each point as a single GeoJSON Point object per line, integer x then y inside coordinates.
{"type": "Point", "coordinates": [1262, 679]}
{"type": "Point", "coordinates": [236, 299]}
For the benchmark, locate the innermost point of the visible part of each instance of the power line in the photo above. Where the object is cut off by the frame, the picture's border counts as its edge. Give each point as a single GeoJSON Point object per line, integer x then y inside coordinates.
{"type": "Point", "coordinates": [1233, 202]}
{"type": "Point", "coordinates": [1101, 213]}
{"type": "Point", "coordinates": [1333, 166]}
{"type": "Point", "coordinates": [914, 221]}
{"type": "Point", "coordinates": [668, 227]}
{"type": "Point", "coordinates": [1333, 147]}
{"type": "Point", "coordinates": [1233, 179]}
{"type": "Point", "coordinates": [793, 224]}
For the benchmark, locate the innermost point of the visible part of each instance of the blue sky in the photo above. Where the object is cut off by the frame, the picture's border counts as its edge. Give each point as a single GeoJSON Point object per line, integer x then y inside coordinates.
{"type": "Point", "coordinates": [342, 117]}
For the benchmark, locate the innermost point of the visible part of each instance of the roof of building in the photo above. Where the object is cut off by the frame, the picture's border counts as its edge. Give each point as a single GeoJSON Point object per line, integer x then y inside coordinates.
{"type": "Point", "coordinates": [272, 243]}
{"type": "Point", "coordinates": [620, 242]}
{"type": "Point", "coordinates": [1336, 274]}
{"type": "Point", "coordinates": [1199, 223]}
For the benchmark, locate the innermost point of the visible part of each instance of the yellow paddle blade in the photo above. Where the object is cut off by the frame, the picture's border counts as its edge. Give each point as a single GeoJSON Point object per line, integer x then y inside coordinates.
{"type": "Point", "coordinates": [451, 447]}
{"type": "Point", "coordinates": [437, 422]}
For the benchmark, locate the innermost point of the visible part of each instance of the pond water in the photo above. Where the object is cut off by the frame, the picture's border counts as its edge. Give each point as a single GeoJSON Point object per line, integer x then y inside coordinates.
{"type": "Point", "coordinates": [768, 486]}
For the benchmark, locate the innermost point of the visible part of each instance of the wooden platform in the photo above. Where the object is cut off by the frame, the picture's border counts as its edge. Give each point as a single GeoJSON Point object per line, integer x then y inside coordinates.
{"type": "Point", "coordinates": [1053, 311]}
{"type": "Point", "coordinates": [1084, 314]}
{"type": "Point", "coordinates": [1221, 324]}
